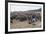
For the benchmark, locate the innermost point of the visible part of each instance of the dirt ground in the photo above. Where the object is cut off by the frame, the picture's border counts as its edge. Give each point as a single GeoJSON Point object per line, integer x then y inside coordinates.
{"type": "Point", "coordinates": [17, 24]}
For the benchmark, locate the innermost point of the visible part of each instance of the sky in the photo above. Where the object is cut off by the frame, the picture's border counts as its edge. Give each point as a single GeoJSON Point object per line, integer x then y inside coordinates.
{"type": "Point", "coordinates": [23, 7]}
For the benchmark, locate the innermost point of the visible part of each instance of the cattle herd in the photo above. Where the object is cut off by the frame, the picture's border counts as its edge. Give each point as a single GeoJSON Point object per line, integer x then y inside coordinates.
{"type": "Point", "coordinates": [30, 17]}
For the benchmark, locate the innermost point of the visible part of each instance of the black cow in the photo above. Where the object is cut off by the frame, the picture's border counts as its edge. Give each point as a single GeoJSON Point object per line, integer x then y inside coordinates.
{"type": "Point", "coordinates": [21, 18]}
{"type": "Point", "coordinates": [13, 17]}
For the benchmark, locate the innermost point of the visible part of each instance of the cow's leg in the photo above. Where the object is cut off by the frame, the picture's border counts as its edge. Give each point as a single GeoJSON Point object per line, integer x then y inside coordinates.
{"type": "Point", "coordinates": [29, 22]}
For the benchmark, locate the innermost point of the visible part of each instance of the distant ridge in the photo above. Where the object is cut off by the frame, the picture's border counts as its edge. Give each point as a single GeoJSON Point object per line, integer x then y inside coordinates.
{"type": "Point", "coordinates": [25, 12]}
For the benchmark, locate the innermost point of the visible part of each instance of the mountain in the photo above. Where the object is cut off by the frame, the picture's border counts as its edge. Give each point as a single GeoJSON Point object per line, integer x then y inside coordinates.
{"type": "Point", "coordinates": [29, 12]}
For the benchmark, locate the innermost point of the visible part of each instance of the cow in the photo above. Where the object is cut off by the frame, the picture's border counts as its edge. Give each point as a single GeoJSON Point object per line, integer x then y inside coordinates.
{"type": "Point", "coordinates": [12, 17]}
{"type": "Point", "coordinates": [21, 18]}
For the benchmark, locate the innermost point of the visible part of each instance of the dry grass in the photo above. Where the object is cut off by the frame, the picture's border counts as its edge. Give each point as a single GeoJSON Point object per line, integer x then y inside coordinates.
{"type": "Point", "coordinates": [24, 24]}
